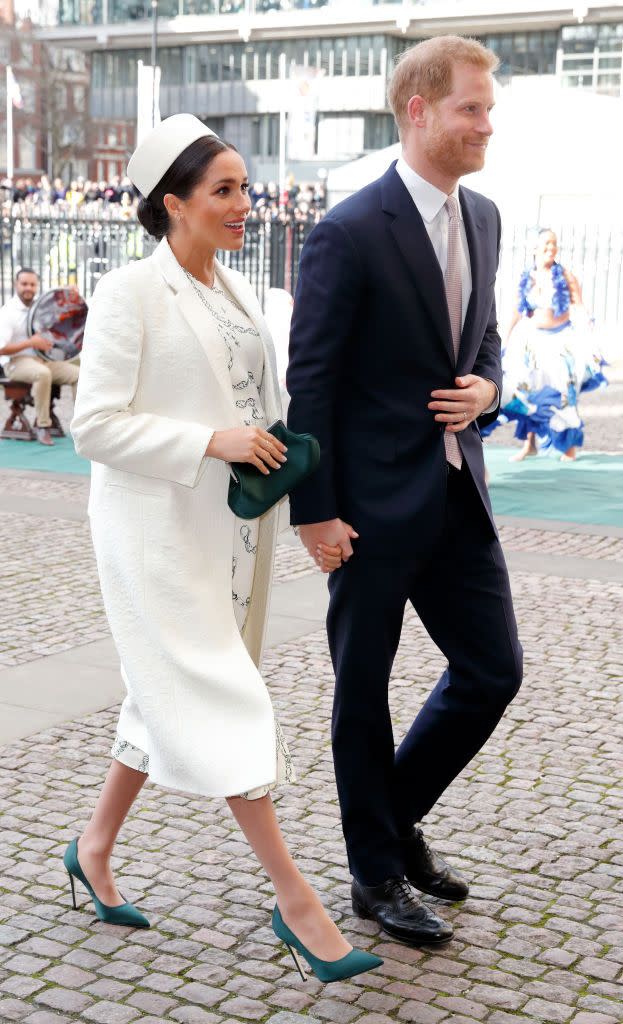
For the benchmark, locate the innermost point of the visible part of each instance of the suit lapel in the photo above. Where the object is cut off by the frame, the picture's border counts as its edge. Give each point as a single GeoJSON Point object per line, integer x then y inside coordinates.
{"type": "Point", "coordinates": [474, 229]}
{"type": "Point", "coordinates": [412, 239]}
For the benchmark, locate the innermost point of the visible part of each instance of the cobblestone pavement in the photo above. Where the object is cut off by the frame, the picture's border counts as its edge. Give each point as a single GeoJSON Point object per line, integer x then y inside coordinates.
{"type": "Point", "coordinates": [51, 595]}
{"type": "Point", "coordinates": [535, 823]}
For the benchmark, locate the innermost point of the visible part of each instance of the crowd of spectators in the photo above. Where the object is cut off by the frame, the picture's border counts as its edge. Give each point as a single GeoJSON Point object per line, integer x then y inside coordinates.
{"type": "Point", "coordinates": [117, 199]}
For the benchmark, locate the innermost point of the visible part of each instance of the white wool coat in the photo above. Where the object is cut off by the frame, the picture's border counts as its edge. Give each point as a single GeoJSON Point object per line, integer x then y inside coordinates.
{"type": "Point", "coordinates": [154, 385]}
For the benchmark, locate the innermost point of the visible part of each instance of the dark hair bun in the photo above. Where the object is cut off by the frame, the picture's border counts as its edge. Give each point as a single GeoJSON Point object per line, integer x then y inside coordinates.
{"type": "Point", "coordinates": [153, 217]}
{"type": "Point", "coordinates": [180, 180]}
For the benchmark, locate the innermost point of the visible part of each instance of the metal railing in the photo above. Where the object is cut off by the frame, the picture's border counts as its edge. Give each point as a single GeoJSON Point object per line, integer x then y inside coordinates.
{"type": "Point", "coordinates": [78, 252]}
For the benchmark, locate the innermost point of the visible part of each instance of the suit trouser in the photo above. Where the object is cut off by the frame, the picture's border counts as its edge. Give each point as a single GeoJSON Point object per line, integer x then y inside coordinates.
{"type": "Point", "coordinates": [462, 595]}
{"type": "Point", "coordinates": [42, 375]}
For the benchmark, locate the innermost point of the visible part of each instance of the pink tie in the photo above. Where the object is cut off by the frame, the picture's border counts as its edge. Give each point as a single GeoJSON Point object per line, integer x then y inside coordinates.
{"type": "Point", "coordinates": [452, 281]}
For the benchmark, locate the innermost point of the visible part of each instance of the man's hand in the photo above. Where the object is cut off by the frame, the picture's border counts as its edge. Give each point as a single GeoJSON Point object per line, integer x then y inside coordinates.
{"type": "Point", "coordinates": [458, 408]}
{"type": "Point", "coordinates": [328, 543]}
{"type": "Point", "coordinates": [40, 343]}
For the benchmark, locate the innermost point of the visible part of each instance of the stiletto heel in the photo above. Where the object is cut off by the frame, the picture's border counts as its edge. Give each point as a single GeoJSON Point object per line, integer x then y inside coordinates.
{"type": "Point", "coordinates": [73, 890]}
{"type": "Point", "coordinates": [355, 962]}
{"type": "Point", "coordinates": [297, 961]}
{"type": "Point", "coordinates": [126, 914]}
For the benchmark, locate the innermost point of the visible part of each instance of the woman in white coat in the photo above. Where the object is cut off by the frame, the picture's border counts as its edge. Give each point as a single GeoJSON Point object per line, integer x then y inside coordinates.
{"type": "Point", "coordinates": [178, 380]}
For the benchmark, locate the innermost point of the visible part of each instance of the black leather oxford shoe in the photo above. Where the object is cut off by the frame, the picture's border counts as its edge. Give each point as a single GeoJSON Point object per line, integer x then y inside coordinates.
{"type": "Point", "coordinates": [429, 872]}
{"type": "Point", "coordinates": [399, 912]}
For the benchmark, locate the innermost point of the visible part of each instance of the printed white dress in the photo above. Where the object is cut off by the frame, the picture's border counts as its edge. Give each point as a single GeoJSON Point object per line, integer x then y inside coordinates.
{"type": "Point", "coordinates": [246, 366]}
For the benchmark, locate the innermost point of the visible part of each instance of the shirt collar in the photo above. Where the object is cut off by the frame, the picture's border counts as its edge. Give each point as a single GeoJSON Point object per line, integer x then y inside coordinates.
{"type": "Point", "coordinates": [428, 198]}
{"type": "Point", "coordinates": [17, 302]}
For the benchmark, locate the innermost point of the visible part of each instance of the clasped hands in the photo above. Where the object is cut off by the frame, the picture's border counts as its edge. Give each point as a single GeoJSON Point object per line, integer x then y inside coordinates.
{"type": "Point", "coordinates": [329, 543]}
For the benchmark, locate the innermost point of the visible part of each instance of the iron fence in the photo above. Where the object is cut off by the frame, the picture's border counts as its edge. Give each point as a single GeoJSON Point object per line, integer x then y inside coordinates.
{"type": "Point", "coordinates": [79, 252]}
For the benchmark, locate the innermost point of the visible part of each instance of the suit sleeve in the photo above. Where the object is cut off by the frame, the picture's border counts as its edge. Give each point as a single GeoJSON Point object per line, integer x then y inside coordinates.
{"type": "Point", "coordinates": [325, 307]}
{"type": "Point", "coordinates": [105, 426]}
{"type": "Point", "coordinates": [489, 360]}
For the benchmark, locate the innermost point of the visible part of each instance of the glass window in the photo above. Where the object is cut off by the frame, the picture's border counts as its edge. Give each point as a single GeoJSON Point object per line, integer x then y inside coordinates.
{"type": "Point", "coordinates": [352, 45]}
{"type": "Point", "coordinates": [379, 131]}
{"type": "Point", "coordinates": [339, 57]}
{"type": "Point", "coordinates": [366, 64]}
{"type": "Point", "coordinates": [326, 51]}
{"type": "Point", "coordinates": [610, 36]}
{"type": "Point", "coordinates": [608, 63]}
{"type": "Point", "coordinates": [378, 45]}
{"type": "Point", "coordinates": [578, 38]}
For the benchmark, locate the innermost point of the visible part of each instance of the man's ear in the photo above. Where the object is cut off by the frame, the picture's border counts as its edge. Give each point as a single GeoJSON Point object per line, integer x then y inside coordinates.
{"type": "Point", "coordinates": [416, 110]}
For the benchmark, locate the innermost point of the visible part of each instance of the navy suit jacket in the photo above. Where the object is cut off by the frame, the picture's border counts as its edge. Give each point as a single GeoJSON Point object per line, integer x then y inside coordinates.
{"type": "Point", "coordinates": [370, 340]}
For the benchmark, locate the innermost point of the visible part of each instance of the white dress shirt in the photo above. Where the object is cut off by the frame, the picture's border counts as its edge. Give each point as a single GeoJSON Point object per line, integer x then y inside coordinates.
{"type": "Point", "coordinates": [430, 203]}
{"type": "Point", "coordinates": [14, 327]}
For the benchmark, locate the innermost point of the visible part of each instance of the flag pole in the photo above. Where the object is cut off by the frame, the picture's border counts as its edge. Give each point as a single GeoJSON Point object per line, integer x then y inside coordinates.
{"type": "Point", "coordinates": [154, 57]}
{"type": "Point", "coordinates": [9, 124]}
{"type": "Point", "coordinates": [282, 125]}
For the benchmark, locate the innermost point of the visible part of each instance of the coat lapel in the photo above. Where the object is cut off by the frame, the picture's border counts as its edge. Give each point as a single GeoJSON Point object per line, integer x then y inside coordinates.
{"type": "Point", "coordinates": [412, 239]}
{"type": "Point", "coordinates": [205, 328]}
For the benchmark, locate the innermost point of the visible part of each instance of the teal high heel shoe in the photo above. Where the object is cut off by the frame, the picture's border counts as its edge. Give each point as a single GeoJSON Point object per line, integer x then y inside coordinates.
{"type": "Point", "coordinates": [355, 962]}
{"type": "Point", "coordinates": [126, 914]}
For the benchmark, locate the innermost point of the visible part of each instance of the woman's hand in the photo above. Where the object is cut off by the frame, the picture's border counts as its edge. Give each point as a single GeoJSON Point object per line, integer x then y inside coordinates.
{"type": "Point", "coordinates": [328, 559]}
{"type": "Point", "coordinates": [248, 444]}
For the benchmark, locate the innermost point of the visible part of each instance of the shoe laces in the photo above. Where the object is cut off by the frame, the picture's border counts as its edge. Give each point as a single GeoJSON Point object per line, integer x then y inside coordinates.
{"type": "Point", "coordinates": [400, 888]}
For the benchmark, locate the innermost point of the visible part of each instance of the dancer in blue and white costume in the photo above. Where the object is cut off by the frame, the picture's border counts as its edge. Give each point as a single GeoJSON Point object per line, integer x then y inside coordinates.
{"type": "Point", "coordinates": [549, 357]}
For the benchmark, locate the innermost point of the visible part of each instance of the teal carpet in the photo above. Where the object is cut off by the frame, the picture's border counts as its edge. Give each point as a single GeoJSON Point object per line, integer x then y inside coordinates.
{"type": "Point", "coordinates": [31, 455]}
{"type": "Point", "coordinates": [587, 491]}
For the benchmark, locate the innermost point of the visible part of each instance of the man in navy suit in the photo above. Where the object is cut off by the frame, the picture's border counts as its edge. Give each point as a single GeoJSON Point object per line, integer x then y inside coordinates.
{"type": "Point", "coordinates": [394, 365]}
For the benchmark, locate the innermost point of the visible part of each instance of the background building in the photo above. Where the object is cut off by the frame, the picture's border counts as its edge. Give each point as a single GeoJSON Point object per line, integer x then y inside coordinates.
{"type": "Point", "coordinates": [220, 59]}
{"type": "Point", "coordinates": [50, 129]}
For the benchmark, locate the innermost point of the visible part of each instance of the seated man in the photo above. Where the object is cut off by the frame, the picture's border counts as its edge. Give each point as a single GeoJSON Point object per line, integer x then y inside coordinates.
{"type": "Point", "coordinates": [21, 355]}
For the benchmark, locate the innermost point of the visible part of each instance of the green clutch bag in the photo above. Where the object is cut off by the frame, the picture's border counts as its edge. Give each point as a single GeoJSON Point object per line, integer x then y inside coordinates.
{"type": "Point", "coordinates": [252, 493]}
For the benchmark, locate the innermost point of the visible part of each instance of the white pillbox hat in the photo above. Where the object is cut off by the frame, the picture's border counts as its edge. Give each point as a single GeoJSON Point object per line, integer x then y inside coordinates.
{"type": "Point", "coordinates": [160, 149]}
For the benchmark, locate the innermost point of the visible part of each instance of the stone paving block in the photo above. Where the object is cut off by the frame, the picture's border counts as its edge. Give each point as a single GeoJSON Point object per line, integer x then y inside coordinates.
{"type": "Point", "coordinates": [205, 995]}
{"type": "Point", "coordinates": [419, 1013]}
{"type": "Point", "coordinates": [106, 1012]}
{"type": "Point", "coordinates": [161, 982]}
{"type": "Point", "coordinates": [68, 976]}
{"type": "Point", "coordinates": [556, 1013]}
{"type": "Point", "coordinates": [14, 1009]}
{"type": "Point", "coordinates": [151, 1003]}
{"type": "Point", "coordinates": [240, 1006]}
{"type": "Point", "coordinates": [11, 936]}
{"type": "Point", "coordinates": [21, 986]}
{"type": "Point", "coordinates": [460, 1005]}
{"type": "Point", "coordinates": [289, 999]}
{"type": "Point", "coordinates": [194, 1015]}
{"type": "Point", "coordinates": [48, 1017]}
{"type": "Point", "coordinates": [502, 998]}
{"type": "Point", "coordinates": [66, 999]}
{"type": "Point", "coordinates": [292, 1018]}
{"type": "Point", "coordinates": [600, 968]}
{"type": "Point", "coordinates": [594, 1018]}
{"type": "Point", "coordinates": [335, 1011]}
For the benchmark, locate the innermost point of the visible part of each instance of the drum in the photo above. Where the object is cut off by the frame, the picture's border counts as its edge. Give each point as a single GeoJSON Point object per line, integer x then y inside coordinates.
{"type": "Point", "coordinates": [59, 315]}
